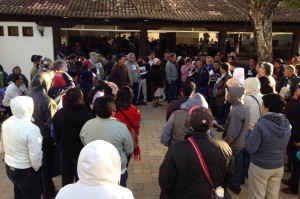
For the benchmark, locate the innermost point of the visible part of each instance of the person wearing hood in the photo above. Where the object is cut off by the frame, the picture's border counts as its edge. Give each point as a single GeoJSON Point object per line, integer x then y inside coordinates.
{"type": "Point", "coordinates": [44, 110]}
{"type": "Point", "coordinates": [21, 142]}
{"type": "Point", "coordinates": [156, 75]}
{"type": "Point", "coordinates": [98, 62]}
{"type": "Point", "coordinates": [177, 126]}
{"type": "Point", "coordinates": [253, 101]}
{"type": "Point", "coordinates": [235, 129]}
{"type": "Point", "coordinates": [181, 175]}
{"type": "Point", "coordinates": [239, 74]}
{"type": "Point", "coordinates": [266, 144]}
{"type": "Point", "coordinates": [134, 75]}
{"type": "Point", "coordinates": [99, 170]}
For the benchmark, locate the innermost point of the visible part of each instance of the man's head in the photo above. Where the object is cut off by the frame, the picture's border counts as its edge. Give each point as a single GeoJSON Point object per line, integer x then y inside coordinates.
{"type": "Point", "coordinates": [145, 60]}
{"type": "Point", "coordinates": [198, 63]}
{"type": "Point", "coordinates": [231, 59]}
{"type": "Point", "coordinates": [253, 61]}
{"type": "Point", "coordinates": [173, 57]}
{"type": "Point", "coordinates": [233, 65]}
{"type": "Point", "coordinates": [278, 63]}
{"type": "Point", "coordinates": [121, 59]}
{"type": "Point", "coordinates": [201, 119]}
{"type": "Point", "coordinates": [266, 69]}
{"type": "Point", "coordinates": [224, 68]}
{"type": "Point", "coordinates": [209, 60]}
{"type": "Point", "coordinates": [73, 58]}
{"type": "Point", "coordinates": [151, 55]}
{"type": "Point", "coordinates": [131, 57]}
{"type": "Point", "coordinates": [217, 65]}
{"type": "Point", "coordinates": [202, 57]}
{"type": "Point", "coordinates": [273, 103]}
{"type": "Point", "coordinates": [60, 65]}
{"type": "Point", "coordinates": [17, 79]}
{"type": "Point", "coordinates": [188, 88]}
{"type": "Point", "coordinates": [105, 107]}
{"type": "Point", "coordinates": [289, 71]}
{"type": "Point", "coordinates": [217, 58]}
{"type": "Point", "coordinates": [166, 54]}
{"type": "Point", "coordinates": [74, 96]}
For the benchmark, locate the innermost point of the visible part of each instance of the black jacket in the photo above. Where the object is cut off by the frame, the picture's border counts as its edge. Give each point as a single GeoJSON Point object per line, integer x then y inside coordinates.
{"type": "Point", "coordinates": [44, 106]}
{"type": "Point", "coordinates": [292, 81]}
{"type": "Point", "coordinates": [181, 175]}
{"type": "Point", "coordinates": [67, 123]}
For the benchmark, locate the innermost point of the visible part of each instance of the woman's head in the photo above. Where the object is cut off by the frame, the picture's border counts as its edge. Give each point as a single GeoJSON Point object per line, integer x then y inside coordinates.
{"type": "Point", "coordinates": [201, 119]}
{"type": "Point", "coordinates": [273, 103]}
{"type": "Point", "coordinates": [16, 70]}
{"type": "Point", "coordinates": [266, 69]}
{"type": "Point", "coordinates": [124, 98]}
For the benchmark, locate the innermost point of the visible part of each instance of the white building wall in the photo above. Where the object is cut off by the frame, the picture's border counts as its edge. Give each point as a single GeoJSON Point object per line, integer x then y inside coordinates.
{"type": "Point", "coordinates": [17, 50]}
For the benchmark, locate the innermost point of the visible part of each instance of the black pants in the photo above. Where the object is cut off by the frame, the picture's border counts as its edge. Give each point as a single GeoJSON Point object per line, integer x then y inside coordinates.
{"type": "Point", "coordinates": [47, 165]}
{"type": "Point", "coordinates": [68, 168]}
{"type": "Point", "coordinates": [26, 182]}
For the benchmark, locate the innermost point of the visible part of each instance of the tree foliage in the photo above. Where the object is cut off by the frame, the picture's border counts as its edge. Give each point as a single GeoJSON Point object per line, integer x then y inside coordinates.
{"type": "Point", "coordinates": [292, 4]}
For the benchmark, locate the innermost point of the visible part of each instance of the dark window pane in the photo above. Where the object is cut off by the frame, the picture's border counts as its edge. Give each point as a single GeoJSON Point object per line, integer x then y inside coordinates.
{"type": "Point", "coordinates": [1, 31]}
{"type": "Point", "coordinates": [27, 31]}
{"type": "Point", "coordinates": [13, 31]}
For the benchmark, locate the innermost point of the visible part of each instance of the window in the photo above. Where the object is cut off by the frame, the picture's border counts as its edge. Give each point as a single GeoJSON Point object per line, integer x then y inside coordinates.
{"type": "Point", "coordinates": [27, 31]}
{"type": "Point", "coordinates": [13, 31]}
{"type": "Point", "coordinates": [1, 31]}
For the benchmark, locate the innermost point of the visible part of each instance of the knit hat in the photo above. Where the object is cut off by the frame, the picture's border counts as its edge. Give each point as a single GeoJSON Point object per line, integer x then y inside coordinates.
{"type": "Point", "coordinates": [195, 100]}
{"type": "Point", "coordinates": [252, 85]}
{"type": "Point", "coordinates": [155, 60]}
{"type": "Point", "coordinates": [233, 82]}
{"type": "Point", "coordinates": [201, 118]}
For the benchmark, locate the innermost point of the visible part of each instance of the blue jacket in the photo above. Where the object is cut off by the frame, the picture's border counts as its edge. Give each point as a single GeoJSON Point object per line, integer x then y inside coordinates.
{"type": "Point", "coordinates": [268, 140]}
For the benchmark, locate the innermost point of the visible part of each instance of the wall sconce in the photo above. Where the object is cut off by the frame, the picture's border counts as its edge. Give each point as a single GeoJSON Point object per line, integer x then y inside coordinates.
{"type": "Point", "coordinates": [41, 30]}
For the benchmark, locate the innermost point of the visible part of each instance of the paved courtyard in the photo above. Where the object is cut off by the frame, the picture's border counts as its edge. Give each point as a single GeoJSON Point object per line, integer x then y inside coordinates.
{"type": "Point", "coordinates": [143, 175]}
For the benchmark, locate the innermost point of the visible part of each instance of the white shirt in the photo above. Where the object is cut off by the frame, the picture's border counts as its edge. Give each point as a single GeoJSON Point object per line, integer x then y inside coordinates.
{"type": "Point", "coordinates": [11, 92]}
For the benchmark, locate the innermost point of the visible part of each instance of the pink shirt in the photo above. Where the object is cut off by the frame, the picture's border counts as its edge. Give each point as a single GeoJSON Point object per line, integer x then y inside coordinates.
{"type": "Point", "coordinates": [185, 72]}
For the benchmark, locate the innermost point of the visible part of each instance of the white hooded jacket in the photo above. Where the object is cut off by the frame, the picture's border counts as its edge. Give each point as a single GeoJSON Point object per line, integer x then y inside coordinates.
{"type": "Point", "coordinates": [21, 139]}
{"type": "Point", "coordinates": [99, 171]}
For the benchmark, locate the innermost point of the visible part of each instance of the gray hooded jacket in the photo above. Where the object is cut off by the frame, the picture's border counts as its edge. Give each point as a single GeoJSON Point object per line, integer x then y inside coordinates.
{"type": "Point", "coordinates": [44, 106]}
{"type": "Point", "coordinates": [238, 119]}
{"type": "Point", "coordinates": [268, 140]}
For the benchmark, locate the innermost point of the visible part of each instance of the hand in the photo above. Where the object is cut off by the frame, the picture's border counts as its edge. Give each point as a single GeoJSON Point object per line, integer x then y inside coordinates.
{"type": "Point", "coordinates": [297, 144]}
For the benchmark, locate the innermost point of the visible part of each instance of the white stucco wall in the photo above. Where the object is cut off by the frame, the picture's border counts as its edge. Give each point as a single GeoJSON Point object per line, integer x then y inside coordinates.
{"type": "Point", "coordinates": [17, 50]}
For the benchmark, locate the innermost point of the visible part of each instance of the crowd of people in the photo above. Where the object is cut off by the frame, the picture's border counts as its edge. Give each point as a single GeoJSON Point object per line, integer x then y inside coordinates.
{"type": "Point", "coordinates": [57, 117]}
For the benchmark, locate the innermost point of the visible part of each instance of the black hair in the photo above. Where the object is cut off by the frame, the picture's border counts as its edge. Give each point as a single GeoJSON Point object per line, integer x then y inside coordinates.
{"type": "Point", "coordinates": [105, 106]}
{"type": "Point", "coordinates": [188, 60]}
{"type": "Point", "coordinates": [254, 58]}
{"type": "Point", "coordinates": [188, 87]}
{"type": "Point", "coordinates": [16, 78]}
{"type": "Point", "coordinates": [234, 64]}
{"type": "Point", "coordinates": [1, 68]}
{"type": "Point", "coordinates": [16, 68]}
{"type": "Point", "coordinates": [120, 56]}
{"type": "Point", "coordinates": [233, 58]}
{"type": "Point", "coordinates": [297, 54]}
{"type": "Point", "coordinates": [225, 66]}
{"type": "Point", "coordinates": [32, 58]}
{"type": "Point", "coordinates": [202, 55]}
{"type": "Point", "coordinates": [99, 87]}
{"type": "Point", "coordinates": [166, 51]}
{"type": "Point", "coordinates": [298, 68]}
{"type": "Point", "coordinates": [73, 95]}
{"type": "Point", "coordinates": [146, 59]}
{"type": "Point", "coordinates": [151, 52]}
{"type": "Point", "coordinates": [274, 102]}
{"type": "Point", "coordinates": [198, 59]}
{"type": "Point", "coordinates": [73, 74]}
{"type": "Point", "coordinates": [124, 98]}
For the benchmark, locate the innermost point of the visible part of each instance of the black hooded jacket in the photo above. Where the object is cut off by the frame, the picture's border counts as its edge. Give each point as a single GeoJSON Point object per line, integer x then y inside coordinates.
{"type": "Point", "coordinates": [44, 106]}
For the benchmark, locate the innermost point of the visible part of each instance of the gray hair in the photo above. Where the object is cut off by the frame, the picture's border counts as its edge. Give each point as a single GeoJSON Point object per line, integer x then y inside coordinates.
{"type": "Point", "coordinates": [268, 67]}
{"type": "Point", "coordinates": [290, 68]}
{"type": "Point", "coordinates": [59, 63]}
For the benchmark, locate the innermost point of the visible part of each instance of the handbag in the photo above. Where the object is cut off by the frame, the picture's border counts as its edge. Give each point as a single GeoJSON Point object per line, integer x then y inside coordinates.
{"type": "Point", "coordinates": [136, 152]}
{"type": "Point", "coordinates": [217, 193]}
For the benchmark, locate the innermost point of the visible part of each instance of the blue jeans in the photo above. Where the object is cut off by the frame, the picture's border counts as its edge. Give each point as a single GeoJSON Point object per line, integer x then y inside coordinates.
{"type": "Point", "coordinates": [124, 178]}
{"type": "Point", "coordinates": [202, 90]}
{"type": "Point", "coordinates": [238, 163]}
{"type": "Point", "coordinates": [172, 91]}
{"type": "Point", "coordinates": [26, 182]}
{"type": "Point", "coordinates": [135, 93]}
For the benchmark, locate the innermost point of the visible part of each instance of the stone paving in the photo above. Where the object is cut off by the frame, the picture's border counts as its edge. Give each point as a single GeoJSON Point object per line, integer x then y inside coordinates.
{"type": "Point", "coordinates": [143, 175]}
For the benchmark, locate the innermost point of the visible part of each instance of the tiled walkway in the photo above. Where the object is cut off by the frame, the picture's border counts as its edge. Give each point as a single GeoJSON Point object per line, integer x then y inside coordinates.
{"type": "Point", "coordinates": [143, 175]}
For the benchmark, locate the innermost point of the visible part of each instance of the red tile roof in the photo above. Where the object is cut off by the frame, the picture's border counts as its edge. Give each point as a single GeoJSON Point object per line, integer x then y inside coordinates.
{"type": "Point", "coordinates": [166, 10]}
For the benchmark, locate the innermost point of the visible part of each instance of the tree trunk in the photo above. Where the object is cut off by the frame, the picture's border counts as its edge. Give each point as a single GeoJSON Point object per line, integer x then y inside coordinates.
{"type": "Point", "coordinates": [261, 14]}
